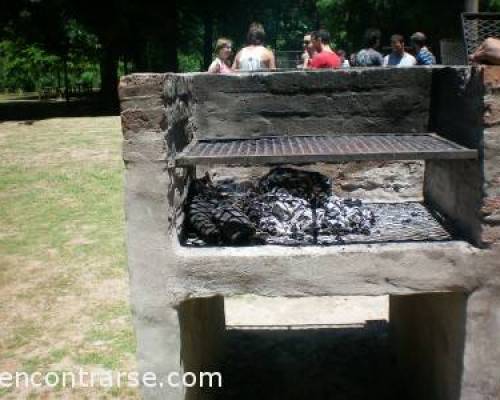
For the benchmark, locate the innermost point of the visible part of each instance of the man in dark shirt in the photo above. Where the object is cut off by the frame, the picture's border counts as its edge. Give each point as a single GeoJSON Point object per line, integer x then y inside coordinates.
{"type": "Point", "coordinates": [369, 56]}
{"type": "Point", "coordinates": [325, 57]}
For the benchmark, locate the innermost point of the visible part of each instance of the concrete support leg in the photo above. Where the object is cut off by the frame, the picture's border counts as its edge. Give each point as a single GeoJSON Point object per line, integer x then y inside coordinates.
{"type": "Point", "coordinates": [188, 339]}
{"type": "Point", "coordinates": [481, 378]}
{"type": "Point", "coordinates": [202, 338]}
{"type": "Point", "coordinates": [428, 333]}
{"type": "Point", "coordinates": [159, 352]}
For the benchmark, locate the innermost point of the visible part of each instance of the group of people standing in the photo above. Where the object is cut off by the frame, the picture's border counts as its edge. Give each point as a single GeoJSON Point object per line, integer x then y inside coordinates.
{"type": "Point", "coordinates": [254, 56]}
{"type": "Point", "coordinates": [369, 55]}
{"type": "Point", "coordinates": [318, 53]}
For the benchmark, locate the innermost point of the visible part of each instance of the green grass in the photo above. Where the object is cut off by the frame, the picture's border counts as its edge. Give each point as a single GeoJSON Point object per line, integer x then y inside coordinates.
{"type": "Point", "coordinates": [78, 201]}
{"type": "Point", "coordinates": [62, 252]}
{"type": "Point", "coordinates": [109, 313]}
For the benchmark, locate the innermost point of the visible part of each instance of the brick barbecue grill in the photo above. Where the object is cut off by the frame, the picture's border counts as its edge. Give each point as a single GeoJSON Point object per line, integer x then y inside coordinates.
{"type": "Point", "coordinates": [440, 269]}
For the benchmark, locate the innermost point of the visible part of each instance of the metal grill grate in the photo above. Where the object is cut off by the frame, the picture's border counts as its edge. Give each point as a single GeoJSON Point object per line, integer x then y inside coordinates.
{"type": "Point", "coordinates": [395, 222]}
{"type": "Point", "coordinates": [398, 222]}
{"type": "Point", "coordinates": [310, 149]}
{"type": "Point", "coordinates": [479, 26]}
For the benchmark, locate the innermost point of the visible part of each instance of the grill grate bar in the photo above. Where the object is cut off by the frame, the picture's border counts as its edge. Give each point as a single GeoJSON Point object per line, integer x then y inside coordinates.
{"type": "Point", "coordinates": [333, 148]}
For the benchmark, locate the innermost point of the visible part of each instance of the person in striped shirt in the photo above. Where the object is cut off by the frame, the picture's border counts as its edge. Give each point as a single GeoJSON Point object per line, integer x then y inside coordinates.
{"type": "Point", "coordinates": [422, 53]}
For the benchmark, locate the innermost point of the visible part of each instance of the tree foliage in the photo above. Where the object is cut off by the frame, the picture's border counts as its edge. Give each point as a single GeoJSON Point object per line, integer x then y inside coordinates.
{"type": "Point", "coordinates": [90, 39]}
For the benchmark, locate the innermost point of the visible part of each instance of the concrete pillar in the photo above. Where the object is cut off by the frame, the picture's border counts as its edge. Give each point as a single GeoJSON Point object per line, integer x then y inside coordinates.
{"type": "Point", "coordinates": [186, 339]}
{"type": "Point", "coordinates": [202, 337]}
{"type": "Point", "coordinates": [427, 333]}
{"type": "Point", "coordinates": [481, 376]}
{"type": "Point", "coordinates": [471, 6]}
{"type": "Point", "coordinates": [466, 109]}
{"type": "Point", "coordinates": [454, 188]}
{"type": "Point", "coordinates": [159, 352]}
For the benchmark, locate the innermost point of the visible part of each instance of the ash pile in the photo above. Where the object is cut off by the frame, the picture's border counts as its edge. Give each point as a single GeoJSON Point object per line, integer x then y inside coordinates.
{"type": "Point", "coordinates": [286, 207]}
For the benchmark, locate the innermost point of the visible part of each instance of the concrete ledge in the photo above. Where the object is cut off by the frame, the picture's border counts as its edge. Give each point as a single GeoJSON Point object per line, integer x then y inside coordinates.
{"type": "Point", "coordinates": [366, 270]}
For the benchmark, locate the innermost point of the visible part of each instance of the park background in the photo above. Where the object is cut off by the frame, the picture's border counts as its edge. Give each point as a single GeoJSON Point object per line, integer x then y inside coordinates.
{"type": "Point", "coordinates": [76, 45]}
{"type": "Point", "coordinates": [63, 277]}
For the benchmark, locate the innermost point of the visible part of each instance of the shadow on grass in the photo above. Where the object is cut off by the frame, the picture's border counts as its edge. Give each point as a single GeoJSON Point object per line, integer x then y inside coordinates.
{"type": "Point", "coordinates": [29, 108]}
{"type": "Point", "coordinates": [314, 364]}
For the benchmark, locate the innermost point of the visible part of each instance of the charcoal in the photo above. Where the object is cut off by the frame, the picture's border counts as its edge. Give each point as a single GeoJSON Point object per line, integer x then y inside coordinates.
{"type": "Point", "coordinates": [200, 215]}
{"type": "Point", "coordinates": [298, 183]}
{"type": "Point", "coordinates": [279, 213]}
{"type": "Point", "coordinates": [287, 206]}
{"type": "Point", "coordinates": [337, 216]}
{"type": "Point", "coordinates": [234, 225]}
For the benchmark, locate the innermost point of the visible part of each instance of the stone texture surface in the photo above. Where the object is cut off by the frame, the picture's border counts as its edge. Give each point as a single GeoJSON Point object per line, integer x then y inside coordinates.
{"type": "Point", "coordinates": [374, 181]}
{"type": "Point", "coordinates": [454, 189]}
{"type": "Point", "coordinates": [465, 110]}
{"type": "Point", "coordinates": [161, 114]}
{"type": "Point", "coordinates": [482, 351]}
{"type": "Point", "coordinates": [323, 102]}
{"type": "Point", "coordinates": [491, 163]}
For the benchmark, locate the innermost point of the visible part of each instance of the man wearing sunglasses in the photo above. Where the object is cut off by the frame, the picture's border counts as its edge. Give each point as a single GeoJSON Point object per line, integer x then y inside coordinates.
{"type": "Point", "coordinates": [325, 57]}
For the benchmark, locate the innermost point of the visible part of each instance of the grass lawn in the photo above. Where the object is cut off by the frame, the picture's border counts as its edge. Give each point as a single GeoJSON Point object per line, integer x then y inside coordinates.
{"type": "Point", "coordinates": [63, 278]}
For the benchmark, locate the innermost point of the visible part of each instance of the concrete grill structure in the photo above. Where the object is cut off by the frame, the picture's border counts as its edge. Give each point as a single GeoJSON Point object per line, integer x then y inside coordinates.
{"type": "Point", "coordinates": [444, 297]}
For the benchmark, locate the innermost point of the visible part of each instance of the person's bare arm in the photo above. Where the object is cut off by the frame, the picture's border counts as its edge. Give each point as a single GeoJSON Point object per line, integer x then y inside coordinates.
{"type": "Point", "coordinates": [488, 52]}
{"type": "Point", "coordinates": [272, 60]}
{"type": "Point", "coordinates": [236, 62]}
{"type": "Point", "coordinates": [305, 60]}
{"type": "Point", "coordinates": [214, 68]}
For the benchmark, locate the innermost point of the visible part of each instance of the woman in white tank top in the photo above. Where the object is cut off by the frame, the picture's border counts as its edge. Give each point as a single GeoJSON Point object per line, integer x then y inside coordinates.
{"type": "Point", "coordinates": [254, 56]}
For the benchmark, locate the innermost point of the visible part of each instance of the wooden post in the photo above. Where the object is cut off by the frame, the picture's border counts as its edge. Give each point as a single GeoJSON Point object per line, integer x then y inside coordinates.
{"type": "Point", "coordinates": [66, 78]}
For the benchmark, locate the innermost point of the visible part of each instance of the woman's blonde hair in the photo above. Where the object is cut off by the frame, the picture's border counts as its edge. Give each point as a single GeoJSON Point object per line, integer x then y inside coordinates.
{"type": "Point", "coordinates": [221, 43]}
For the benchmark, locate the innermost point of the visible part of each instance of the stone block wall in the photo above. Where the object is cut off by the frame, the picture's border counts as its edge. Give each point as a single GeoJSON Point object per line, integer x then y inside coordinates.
{"type": "Point", "coordinates": [490, 211]}
{"type": "Point", "coordinates": [311, 103]}
{"type": "Point", "coordinates": [464, 109]}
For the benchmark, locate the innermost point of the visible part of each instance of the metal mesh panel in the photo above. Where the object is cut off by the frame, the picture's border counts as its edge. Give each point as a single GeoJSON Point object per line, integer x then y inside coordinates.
{"type": "Point", "coordinates": [452, 52]}
{"type": "Point", "coordinates": [479, 26]}
{"type": "Point", "coordinates": [288, 59]}
{"type": "Point", "coordinates": [303, 149]}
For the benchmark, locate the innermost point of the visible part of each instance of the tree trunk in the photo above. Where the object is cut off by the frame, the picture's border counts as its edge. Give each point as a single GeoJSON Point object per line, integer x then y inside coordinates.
{"type": "Point", "coordinates": [109, 76]}
{"type": "Point", "coordinates": [208, 33]}
{"type": "Point", "coordinates": [171, 63]}
{"type": "Point", "coordinates": [125, 64]}
{"type": "Point", "coordinates": [58, 71]}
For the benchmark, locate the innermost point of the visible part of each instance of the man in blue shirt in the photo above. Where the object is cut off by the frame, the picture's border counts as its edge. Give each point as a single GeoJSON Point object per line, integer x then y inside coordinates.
{"type": "Point", "coordinates": [422, 53]}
